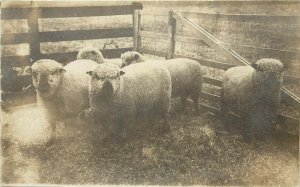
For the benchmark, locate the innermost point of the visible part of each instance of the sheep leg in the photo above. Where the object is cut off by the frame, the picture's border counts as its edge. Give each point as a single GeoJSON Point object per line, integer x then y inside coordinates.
{"type": "Point", "coordinates": [195, 98]}
{"type": "Point", "coordinates": [53, 132]}
{"type": "Point", "coordinates": [248, 131]}
{"type": "Point", "coordinates": [223, 112]}
{"type": "Point", "coordinates": [183, 103]}
{"type": "Point", "coordinates": [166, 123]}
{"type": "Point", "coordinates": [165, 117]}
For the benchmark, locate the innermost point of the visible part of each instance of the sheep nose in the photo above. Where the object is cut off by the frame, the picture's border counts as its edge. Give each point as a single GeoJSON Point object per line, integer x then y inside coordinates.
{"type": "Point", "coordinates": [43, 85]}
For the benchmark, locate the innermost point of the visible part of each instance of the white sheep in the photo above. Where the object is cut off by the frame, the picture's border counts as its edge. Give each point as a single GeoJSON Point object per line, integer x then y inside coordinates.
{"type": "Point", "coordinates": [186, 76]}
{"type": "Point", "coordinates": [121, 94]}
{"type": "Point", "coordinates": [61, 91]}
{"type": "Point", "coordinates": [132, 57]}
{"type": "Point", "coordinates": [253, 93]}
{"type": "Point", "coordinates": [94, 54]}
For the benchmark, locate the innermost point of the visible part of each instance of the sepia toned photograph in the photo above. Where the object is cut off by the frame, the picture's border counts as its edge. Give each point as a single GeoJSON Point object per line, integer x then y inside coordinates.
{"type": "Point", "coordinates": [150, 93]}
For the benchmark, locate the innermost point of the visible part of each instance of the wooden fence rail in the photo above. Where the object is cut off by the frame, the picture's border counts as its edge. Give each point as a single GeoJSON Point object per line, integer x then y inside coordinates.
{"type": "Point", "coordinates": [34, 37]}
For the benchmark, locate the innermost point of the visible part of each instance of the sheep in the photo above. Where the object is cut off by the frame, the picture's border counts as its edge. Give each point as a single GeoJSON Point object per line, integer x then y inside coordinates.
{"type": "Point", "coordinates": [132, 57]}
{"type": "Point", "coordinates": [186, 76]}
{"type": "Point", "coordinates": [94, 54]}
{"type": "Point", "coordinates": [122, 94]}
{"type": "Point", "coordinates": [61, 91]}
{"type": "Point", "coordinates": [254, 94]}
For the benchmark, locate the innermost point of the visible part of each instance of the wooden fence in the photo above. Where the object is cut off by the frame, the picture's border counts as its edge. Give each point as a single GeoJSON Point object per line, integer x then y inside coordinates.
{"type": "Point", "coordinates": [290, 123]}
{"type": "Point", "coordinates": [34, 37]}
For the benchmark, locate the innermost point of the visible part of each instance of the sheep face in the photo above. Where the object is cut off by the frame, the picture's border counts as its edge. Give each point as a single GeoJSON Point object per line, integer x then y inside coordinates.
{"type": "Point", "coordinates": [91, 53]}
{"type": "Point", "coordinates": [105, 81]}
{"type": "Point", "coordinates": [46, 76]}
{"type": "Point", "coordinates": [269, 73]}
{"type": "Point", "coordinates": [131, 57]}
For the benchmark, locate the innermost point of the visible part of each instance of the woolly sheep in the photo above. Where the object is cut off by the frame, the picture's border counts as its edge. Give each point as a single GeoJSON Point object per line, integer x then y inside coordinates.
{"type": "Point", "coordinates": [61, 91]}
{"type": "Point", "coordinates": [127, 92]}
{"type": "Point", "coordinates": [186, 76]}
{"type": "Point", "coordinates": [253, 93]}
{"type": "Point", "coordinates": [94, 54]}
{"type": "Point", "coordinates": [132, 57]}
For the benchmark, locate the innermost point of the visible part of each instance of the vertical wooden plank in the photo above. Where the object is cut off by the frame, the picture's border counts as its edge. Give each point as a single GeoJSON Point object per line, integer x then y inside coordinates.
{"type": "Point", "coordinates": [34, 42]}
{"type": "Point", "coordinates": [171, 36]}
{"type": "Point", "coordinates": [136, 29]}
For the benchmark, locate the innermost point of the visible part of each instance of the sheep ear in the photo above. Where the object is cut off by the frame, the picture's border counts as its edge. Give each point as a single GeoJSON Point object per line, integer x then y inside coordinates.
{"type": "Point", "coordinates": [28, 70]}
{"type": "Point", "coordinates": [254, 65]}
{"type": "Point", "coordinates": [62, 70]}
{"type": "Point", "coordinates": [89, 73]}
{"type": "Point", "coordinates": [122, 66]}
{"type": "Point", "coordinates": [122, 72]}
{"type": "Point", "coordinates": [93, 52]}
{"type": "Point", "coordinates": [136, 56]}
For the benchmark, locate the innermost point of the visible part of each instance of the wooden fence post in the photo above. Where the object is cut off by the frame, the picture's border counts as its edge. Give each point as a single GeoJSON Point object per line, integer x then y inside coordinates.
{"type": "Point", "coordinates": [34, 42]}
{"type": "Point", "coordinates": [171, 36]}
{"type": "Point", "coordinates": [136, 29]}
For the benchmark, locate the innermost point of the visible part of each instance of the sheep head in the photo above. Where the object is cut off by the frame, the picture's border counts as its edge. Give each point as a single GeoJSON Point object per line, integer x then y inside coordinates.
{"type": "Point", "coordinates": [131, 57]}
{"type": "Point", "coordinates": [46, 76]}
{"type": "Point", "coordinates": [91, 53]}
{"type": "Point", "coordinates": [269, 74]}
{"type": "Point", "coordinates": [105, 81]}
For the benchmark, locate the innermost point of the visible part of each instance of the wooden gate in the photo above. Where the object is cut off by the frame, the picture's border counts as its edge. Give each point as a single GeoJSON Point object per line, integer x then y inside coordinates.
{"type": "Point", "coordinates": [32, 12]}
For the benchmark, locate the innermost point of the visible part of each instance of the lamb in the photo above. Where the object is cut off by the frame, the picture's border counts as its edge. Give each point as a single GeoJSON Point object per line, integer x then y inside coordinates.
{"type": "Point", "coordinates": [94, 54]}
{"type": "Point", "coordinates": [122, 94]}
{"type": "Point", "coordinates": [186, 76]}
{"type": "Point", "coordinates": [61, 91]}
{"type": "Point", "coordinates": [254, 94]}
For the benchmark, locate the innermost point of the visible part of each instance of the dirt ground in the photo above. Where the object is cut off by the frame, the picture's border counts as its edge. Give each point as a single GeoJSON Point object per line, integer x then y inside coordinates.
{"type": "Point", "coordinates": [193, 153]}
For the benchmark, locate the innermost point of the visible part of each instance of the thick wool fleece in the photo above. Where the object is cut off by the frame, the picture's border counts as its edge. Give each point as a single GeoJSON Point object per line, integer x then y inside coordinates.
{"type": "Point", "coordinates": [132, 57]}
{"type": "Point", "coordinates": [94, 54]}
{"type": "Point", "coordinates": [61, 91]}
{"type": "Point", "coordinates": [123, 94]}
{"type": "Point", "coordinates": [186, 76]}
{"type": "Point", "coordinates": [91, 53]}
{"type": "Point", "coordinates": [253, 93]}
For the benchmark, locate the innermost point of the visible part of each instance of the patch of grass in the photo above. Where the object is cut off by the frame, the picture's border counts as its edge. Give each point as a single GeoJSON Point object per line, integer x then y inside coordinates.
{"type": "Point", "coordinates": [193, 153]}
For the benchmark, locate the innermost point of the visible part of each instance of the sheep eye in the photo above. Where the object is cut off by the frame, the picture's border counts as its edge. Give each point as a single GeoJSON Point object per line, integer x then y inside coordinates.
{"type": "Point", "coordinates": [98, 78]}
{"type": "Point", "coordinates": [34, 74]}
{"type": "Point", "coordinates": [53, 73]}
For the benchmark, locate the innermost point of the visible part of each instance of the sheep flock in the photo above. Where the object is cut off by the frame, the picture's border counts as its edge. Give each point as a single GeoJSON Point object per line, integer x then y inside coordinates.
{"type": "Point", "coordinates": [113, 93]}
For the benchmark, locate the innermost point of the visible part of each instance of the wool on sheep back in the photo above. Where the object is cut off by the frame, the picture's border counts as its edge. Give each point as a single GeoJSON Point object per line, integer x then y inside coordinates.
{"type": "Point", "coordinates": [91, 53]}
{"type": "Point", "coordinates": [75, 85]}
{"type": "Point", "coordinates": [186, 75]}
{"type": "Point", "coordinates": [187, 79]}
